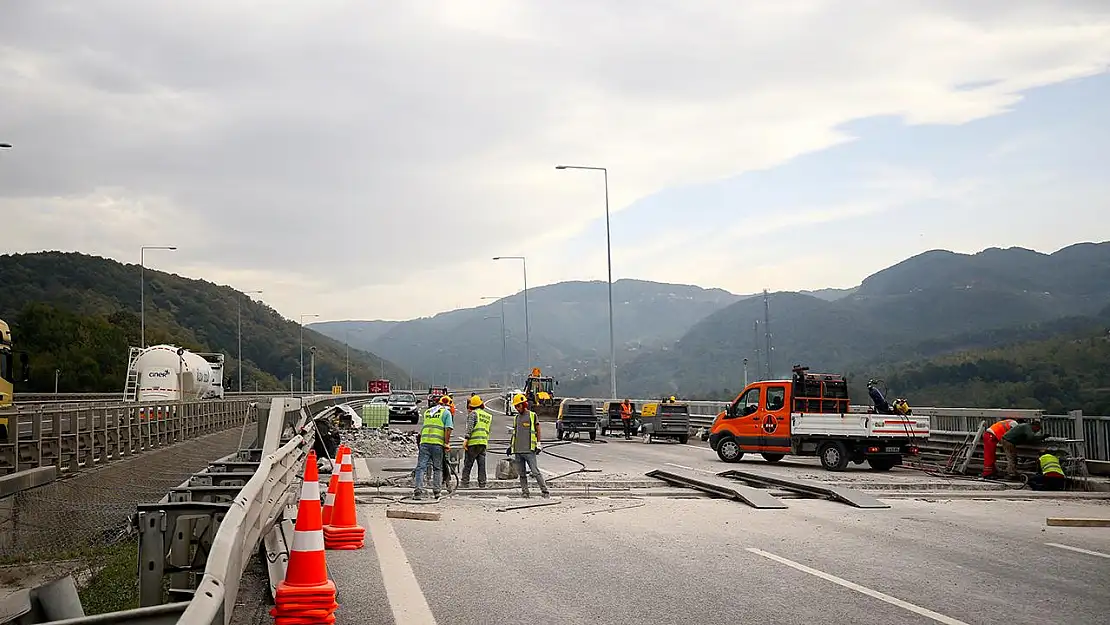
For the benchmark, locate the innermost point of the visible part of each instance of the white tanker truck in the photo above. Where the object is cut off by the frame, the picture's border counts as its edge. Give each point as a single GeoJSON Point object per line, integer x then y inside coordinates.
{"type": "Point", "coordinates": [170, 373]}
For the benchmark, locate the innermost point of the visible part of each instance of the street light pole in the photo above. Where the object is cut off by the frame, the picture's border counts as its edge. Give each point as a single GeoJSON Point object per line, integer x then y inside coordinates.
{"type": "Point", "coordinates": [142, 287]}
{"type": "Point", "coordinates": [527, 330]}
{"type": "Point", "coordinates": [347, 358]}
{"type": "Point", "coordinates": [504, 364]}
{"type": "Point", "coordinates": [312, 381]}
{"type": "Point", "coordinates": [609, 257]}
{"type": "Point", "coordinates": [302, 348]}
{"type": "Point", "coordinates": [239, 331]}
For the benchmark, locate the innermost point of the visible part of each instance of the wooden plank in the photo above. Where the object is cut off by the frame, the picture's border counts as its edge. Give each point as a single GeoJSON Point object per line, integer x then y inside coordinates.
{"type": "Point", "coordinates": [838, 493]}
{"type": "Point", "coordinates": [418, 515]}
{"type": "Point", "coordinates": [714, 485]}
{"type": "Point", "coordinates": [1076, 522]}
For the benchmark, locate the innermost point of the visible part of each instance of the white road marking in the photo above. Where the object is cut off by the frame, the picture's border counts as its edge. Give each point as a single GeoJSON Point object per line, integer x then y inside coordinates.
{"type": "Point", "coordinates": [905, 605]}
{"type": "Point", "coordinates": [1077, 549]}
{"type": "Point", "coordinates": [406, 599]}
{"type": "Point", "coordinates": [682, 466]}
{"type": "Point", "coordinates": [581, 444]}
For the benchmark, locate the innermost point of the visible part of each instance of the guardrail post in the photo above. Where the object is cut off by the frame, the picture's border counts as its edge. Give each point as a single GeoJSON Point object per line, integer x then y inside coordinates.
{"type": "Point", "coordinates": [152, 554]}
{"type": "Point", "coordinates": [1077, 423]}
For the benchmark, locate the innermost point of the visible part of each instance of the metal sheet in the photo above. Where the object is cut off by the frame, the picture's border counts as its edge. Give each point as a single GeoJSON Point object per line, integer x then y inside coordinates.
{"type": "Point", "coordinates": [838, 493]}
{"type": "Point", "coordinates": [754, 497]}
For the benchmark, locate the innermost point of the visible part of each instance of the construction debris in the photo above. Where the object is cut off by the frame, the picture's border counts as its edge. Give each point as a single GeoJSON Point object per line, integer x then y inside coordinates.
{"type": "Point", "coordinates": [612, 508]}
{"type": "Point", "coordinates": [412, 514]}
{"type": "Point", "coordinates": [1072, 522]}
{"type": "Point", "coordinates": [382, 443]}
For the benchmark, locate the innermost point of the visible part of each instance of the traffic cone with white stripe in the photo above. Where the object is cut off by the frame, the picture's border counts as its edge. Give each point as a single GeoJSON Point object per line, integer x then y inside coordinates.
{"type": "Point", "coordinates": [333, 483]}
{"type": "Point", "coordinates": [306, 596]}
{"type": "Point", "coordinates": [344, 532]}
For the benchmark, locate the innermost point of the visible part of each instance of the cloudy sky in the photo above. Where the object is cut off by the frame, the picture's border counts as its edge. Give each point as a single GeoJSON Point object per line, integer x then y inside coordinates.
{"type": "Point", "coordinates": [365, 159]}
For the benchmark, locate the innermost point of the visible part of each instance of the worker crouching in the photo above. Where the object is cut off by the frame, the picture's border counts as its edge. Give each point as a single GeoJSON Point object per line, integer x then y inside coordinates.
{"type": "Point", "coordinates": [477, 440]}
{"type": "Point", "coordinates": [1051, 476]}
{"type": "Point", "coordinates": [525, 444]}
{"type": "Point", "coordinates": [435, 440]}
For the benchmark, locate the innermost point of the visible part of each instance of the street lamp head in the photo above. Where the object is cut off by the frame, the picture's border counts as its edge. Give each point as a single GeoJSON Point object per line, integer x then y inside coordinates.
{"type": "Point", "coordinates": [496, 258]}
{"type": "Point", "coordinates": [560, 167]}
{"type": "Point", "coordinates": [6, 146]}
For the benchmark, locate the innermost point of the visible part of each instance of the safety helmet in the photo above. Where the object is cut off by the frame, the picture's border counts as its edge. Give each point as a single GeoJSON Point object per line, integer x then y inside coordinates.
{"type": "Point", "coordinates": [673, 399]}
{"type": "Point", "coordinates": [475, 402]}
{"type": "Point", "coordinates": [445, 400]}
{"type": "Point", "coordinates": [519, 399]}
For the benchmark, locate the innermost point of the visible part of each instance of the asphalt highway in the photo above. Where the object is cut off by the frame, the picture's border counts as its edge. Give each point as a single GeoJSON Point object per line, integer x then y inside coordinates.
{"type": "Point", "coordinates": [636, 560]}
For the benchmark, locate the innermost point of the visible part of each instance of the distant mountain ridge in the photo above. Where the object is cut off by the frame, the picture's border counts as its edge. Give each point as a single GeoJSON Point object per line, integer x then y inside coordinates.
{"type": "Point", "coordinates": [933, 297]}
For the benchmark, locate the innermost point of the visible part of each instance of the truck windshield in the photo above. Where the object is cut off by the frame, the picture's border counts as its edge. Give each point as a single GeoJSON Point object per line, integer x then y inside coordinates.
{"type": "Point", "coordinates": [5, 365]}
{"type": "Point", "coordinates": [402, 397]}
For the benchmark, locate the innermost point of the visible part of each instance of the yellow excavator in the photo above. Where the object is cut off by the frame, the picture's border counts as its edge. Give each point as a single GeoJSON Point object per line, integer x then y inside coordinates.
{"type": "Point", "coordinates": [540, 391]}
{"type": "Point", "coordinates": [7, 374]}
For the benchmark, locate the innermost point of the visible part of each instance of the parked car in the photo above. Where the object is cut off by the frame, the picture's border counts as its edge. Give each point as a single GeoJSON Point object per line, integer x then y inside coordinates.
{"type": "Point", "coordinates": [403, 405]}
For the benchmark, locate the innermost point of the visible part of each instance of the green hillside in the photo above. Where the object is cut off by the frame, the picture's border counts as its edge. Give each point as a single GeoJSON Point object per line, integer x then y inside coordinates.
{"type": "Point", "coordinates": [79, 314]}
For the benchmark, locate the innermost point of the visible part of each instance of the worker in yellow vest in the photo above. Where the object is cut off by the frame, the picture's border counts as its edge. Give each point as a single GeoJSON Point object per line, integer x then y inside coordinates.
{"type": "Point", "coordinates": [477, 439]}
{"type": "Point", "coordinates": [525, 444]}
{"type": "Point", "coordinates": [435, 440]}
{"type": "Point", "coordinates": [1051, 476]}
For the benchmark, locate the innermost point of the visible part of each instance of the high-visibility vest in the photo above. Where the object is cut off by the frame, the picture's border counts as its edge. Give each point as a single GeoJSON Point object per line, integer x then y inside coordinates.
{"type": "Point", "coordinates": [480, 435]}
{"type": "Point", "coordinates": [1050, 465]}
{"type": "Point", "coordinates": [1000, 428]}
{"type": "Point", "coordinates": [626, 411]}
{"type": "Point", "coordinates": [433, 430]}
{"type": "Point", "coordinates": [531, 429]}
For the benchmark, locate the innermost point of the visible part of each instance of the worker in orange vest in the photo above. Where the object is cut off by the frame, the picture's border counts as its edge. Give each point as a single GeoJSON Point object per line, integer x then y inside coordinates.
{"type": "Point", "coordinates": [626, 417]}
{"type": "Point", "coordinates": [990, 443]}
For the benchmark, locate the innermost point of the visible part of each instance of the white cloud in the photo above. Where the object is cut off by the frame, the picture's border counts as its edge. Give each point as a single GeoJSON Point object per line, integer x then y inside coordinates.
{"type": "Point", "coordinates": [344, 156]}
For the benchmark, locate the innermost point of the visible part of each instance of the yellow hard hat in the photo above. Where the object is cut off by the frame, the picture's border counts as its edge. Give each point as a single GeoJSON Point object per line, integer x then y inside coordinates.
{"type": "Point", "coordinates": [475, 402]}
{"type": "Point", "coordinates": [519, 399]}
{"type": "Point", "coordinates": [445, 400]}
{"type": "Point", "coordinates": [673, 399]}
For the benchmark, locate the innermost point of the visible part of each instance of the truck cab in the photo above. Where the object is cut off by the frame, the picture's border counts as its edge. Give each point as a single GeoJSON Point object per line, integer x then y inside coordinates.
{"type": "Point", "coordinates": [809, 415]}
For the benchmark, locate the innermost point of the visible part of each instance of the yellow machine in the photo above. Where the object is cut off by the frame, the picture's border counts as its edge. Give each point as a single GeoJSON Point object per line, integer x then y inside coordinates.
{"type": "Point", "coordinates": [7, 373]}
{"type": "Point", "coordinates": [540, 391]}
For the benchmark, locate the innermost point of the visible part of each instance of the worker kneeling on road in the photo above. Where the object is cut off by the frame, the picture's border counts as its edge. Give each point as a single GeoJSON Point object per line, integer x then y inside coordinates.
{"type": "Point", "coordinates": [477, 439]}
{"type": "Point", "coordinates": [1051, 476]}
{"type": "Point", "coordinates": [435, 440]}
{"type": "Point", "coordinates": [525, 443]}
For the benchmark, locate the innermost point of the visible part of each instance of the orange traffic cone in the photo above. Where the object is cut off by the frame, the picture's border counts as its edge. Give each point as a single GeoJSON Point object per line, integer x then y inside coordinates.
{"type": "Point", "coordinates": [344, 531]}
{"type": "Point", "coordinates": [306, 596]}
{"type": "Point", "coordinates": [333, 483]}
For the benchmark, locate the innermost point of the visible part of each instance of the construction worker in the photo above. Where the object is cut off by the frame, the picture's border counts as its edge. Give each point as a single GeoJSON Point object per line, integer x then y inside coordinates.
{"type": "Point", "coordinates": [525, 443]}
{"type": "Point", "coordinates": [626, 418]}
{"type": "Point", "coordinates": [1020, 434]}
{"type": "Point", "coordinates": [1051, 476]}
{"type": "Point", "coordinates": [990, 442]}
{"type": "Point", "coordinates": [435, 441]}
{"type": "Point", "coordinates": [477, 439]}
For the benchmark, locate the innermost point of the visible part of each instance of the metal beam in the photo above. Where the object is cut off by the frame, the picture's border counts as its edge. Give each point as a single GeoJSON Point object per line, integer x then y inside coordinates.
{"type": "Point", "coordinates": [713, 485]}
{"type": "Point", "coordinates": [836, 493]}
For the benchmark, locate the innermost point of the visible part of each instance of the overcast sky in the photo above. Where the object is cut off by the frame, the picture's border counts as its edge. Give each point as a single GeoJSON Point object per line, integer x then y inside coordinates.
{"type": "Point", "coordinates": [365, 159]}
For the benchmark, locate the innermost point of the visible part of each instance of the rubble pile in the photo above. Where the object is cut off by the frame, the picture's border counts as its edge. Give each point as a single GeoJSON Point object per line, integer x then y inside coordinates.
{"type": "Point", "coordinates": [382, 442]}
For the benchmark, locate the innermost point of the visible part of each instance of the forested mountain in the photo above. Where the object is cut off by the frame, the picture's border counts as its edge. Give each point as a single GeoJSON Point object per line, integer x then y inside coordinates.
{"type": "Point", "coordinates": [569, 329]}
{"type": "Point", "coordinates": [930, 304]}
{"type": "Point", "coordinates": [79, 314]}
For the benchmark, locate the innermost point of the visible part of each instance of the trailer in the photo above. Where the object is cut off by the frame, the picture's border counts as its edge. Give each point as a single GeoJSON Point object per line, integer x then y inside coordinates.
{"type": "Point", "coordinates": [171, 373]}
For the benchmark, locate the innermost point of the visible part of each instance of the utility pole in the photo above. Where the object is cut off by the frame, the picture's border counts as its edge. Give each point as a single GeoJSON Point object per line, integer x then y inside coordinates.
{"type": "Point", "coordinates": [767, 330]}
{"type": "Point", "coordinates": [755, 343]}
{"type": "Point", "coordinates": [57, 372]}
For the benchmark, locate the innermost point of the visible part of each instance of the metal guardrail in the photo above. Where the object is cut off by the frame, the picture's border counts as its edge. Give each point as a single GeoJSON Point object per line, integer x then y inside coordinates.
{"type": "Point", "coordinates": [73, 438]}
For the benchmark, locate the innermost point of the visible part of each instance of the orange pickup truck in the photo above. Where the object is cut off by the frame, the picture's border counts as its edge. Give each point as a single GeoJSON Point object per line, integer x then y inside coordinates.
{"type": "Point", "coordinates": [810, 415]}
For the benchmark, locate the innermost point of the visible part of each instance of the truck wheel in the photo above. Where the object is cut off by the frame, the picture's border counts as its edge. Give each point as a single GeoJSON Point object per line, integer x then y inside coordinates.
{"type": "Point", "coordinates": [729, 451]}
{"type": "Point", "coordinates": [834, 455]}
{"type": "Point", "coordinates": [773, 457]}
{"type": "Point", "coordinates": [881, 464]}
{"type": "Point", "coordinates": [593, 435]}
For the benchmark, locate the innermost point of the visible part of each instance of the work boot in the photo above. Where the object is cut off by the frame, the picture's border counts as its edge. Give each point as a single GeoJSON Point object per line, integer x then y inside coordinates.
{"type": "Point", "coordinates": [481, 484]}
{"type": "Point", "coordinates": [547, 494]}
{"type": "Point", "coordinates": [464, 484]}
{"type": "Point", "coordinates": [526, 495]}
{"type": "Point", "coordinates": [435, 494]}
{"type": "Point", "coordinates": [417, 495]}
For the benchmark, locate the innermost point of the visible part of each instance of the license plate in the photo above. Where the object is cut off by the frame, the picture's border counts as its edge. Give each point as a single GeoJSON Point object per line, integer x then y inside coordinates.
{"type": "Point", "coordinates": [893, 450]}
